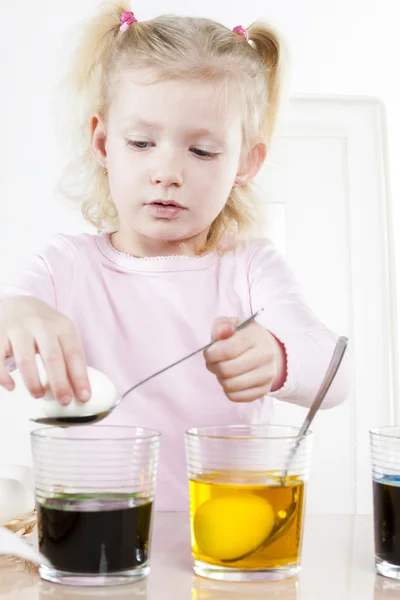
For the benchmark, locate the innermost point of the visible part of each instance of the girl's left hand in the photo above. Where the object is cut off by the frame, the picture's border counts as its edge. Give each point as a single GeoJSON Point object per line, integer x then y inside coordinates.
{"type": "Point", "coordinates": [248, 363]}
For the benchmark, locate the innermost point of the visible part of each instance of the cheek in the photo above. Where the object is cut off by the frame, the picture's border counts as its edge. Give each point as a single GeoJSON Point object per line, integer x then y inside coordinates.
{"type": "Point", "coordinates": [211, 201]}
{"type": "Point", "coordinates": [119, 155]}
{"type": "Point", "coordinates": [220, 175]}
{"type": "Point", "coordinates": [119, 158]}
{"type": "Point", "coordinates": [125, 174]}
{"type": "Point", "coordinates": [213, 188]}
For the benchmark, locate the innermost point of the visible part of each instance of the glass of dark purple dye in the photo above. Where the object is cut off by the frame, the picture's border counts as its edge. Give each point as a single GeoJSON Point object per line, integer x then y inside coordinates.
{"type": "Point", "coordinates": [95, 488]}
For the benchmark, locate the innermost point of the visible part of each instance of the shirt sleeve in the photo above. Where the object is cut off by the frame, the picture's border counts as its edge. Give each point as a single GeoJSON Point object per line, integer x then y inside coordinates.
{"type": "Point", "coordinates": [46, 276]}
{"type": "Point", "coordinates": [308, 343]}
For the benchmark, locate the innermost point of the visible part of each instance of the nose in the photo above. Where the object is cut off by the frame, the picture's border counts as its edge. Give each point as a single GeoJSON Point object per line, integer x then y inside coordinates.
{"type": "Point", "coordinates": [168, 172]}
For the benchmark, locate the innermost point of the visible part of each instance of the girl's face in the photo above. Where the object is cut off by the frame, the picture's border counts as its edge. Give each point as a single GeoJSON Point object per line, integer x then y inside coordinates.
{"type": "Point", "coordinates": [172, 152]}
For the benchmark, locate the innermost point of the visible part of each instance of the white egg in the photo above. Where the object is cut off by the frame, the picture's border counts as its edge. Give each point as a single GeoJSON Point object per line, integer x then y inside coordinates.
{"type": "Point", "coordinates": [22, 473]}
{"type": "Point", "coordinates": [104, 395]}
{"type": "Point", "coordinates": [15, 499]}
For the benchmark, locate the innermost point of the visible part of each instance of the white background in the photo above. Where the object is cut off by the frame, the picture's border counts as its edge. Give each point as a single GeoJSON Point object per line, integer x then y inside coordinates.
{"type": "Point", "coordinates": [338, 48]}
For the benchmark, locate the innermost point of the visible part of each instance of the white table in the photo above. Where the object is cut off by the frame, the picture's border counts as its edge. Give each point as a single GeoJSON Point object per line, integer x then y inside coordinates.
{"type": "Point", "coordinates": [338, 564]}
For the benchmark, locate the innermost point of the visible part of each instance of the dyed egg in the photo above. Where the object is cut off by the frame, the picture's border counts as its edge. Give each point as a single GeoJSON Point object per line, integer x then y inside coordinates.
{"type": "Point", "coordinates": [228, 526]}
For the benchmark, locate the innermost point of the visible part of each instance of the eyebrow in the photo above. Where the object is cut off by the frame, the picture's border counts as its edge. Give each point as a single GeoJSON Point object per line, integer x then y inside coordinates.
{"type": "Point", "coordinates": [133, 120]}
{"type": "Point", "coordinates": [137, 121]}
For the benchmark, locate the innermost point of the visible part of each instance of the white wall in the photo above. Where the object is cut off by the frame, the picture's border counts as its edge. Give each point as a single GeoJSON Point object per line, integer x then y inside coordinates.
{"type": "Point", "coordinates": [340, 47]}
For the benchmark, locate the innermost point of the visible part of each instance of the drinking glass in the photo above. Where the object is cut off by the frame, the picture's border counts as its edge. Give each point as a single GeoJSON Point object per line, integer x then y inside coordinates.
{"type": "Point", "coordinates": [94, 488]}
{"type": "Point", "coordinates": [385, 454]}
{"type": "Point", "coordinates": [246, 511]}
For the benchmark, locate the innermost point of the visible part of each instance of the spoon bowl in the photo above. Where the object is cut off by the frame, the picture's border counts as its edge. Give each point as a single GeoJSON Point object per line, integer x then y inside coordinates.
{"type": "Point", "coordinates": [72, 421]}
{"type": "Point", "coordinates": [282, 524]}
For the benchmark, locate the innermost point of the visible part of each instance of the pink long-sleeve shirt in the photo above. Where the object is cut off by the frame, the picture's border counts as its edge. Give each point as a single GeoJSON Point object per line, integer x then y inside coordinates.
{"type": "Point", "coordinates": [137, 315]}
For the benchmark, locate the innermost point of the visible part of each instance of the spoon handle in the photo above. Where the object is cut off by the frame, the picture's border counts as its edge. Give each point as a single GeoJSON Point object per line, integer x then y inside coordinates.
{"type": "Point", "coordinates": [202, 349]}
{"type": "Point", "coordinates": [334, 365]}
{"type": "Point", "coordinates": [330, 374]}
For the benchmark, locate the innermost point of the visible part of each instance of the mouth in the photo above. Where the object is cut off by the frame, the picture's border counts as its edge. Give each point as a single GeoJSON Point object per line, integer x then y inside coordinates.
{"type": "Point", "coordinates": [166, 203]}
{"type": "Point", "coordinates": [165, 209]}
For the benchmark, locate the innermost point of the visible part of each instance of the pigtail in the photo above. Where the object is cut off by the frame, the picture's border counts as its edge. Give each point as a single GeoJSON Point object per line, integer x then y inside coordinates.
{"type": "Point", "coordinates": [242, 216]}
{"type": "Point", "coordinates": [273, 54]}
{"type": "Point", "coordinates": [96, 41]}
{"type": "Point", "coordinates": [84, 93]}
{"type": "Point", "coordinates": [83, 85]}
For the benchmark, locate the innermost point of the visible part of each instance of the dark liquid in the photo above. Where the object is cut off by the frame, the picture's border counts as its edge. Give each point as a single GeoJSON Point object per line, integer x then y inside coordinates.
{"type": "Point", "coordinates": [387, 520]}
{"type": "Point", "coordinates": [94, 535]}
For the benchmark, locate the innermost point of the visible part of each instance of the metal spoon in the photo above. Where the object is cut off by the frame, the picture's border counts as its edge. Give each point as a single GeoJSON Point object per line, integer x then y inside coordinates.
{"type": "Point", "coordinates": [282, 524]}
{"type": "Point", "coordinates": [338, 353]}
{"type": "Point", "coordinates": [84, 420]}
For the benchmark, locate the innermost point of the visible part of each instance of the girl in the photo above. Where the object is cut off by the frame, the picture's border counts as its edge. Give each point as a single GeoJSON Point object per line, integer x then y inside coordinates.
{"type": "Point", "coordinates": [176, 118]}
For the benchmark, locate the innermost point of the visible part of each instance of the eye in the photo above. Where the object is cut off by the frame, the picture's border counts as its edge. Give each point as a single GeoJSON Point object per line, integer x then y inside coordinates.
{"type": "Point", "coordinates": [139, 145]}
{"type": "Point", "coordinates": [203, 153]}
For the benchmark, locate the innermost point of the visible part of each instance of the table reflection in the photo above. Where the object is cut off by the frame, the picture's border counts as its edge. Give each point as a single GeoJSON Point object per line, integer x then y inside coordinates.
{"type": "Point", "coordinates": [134, 591]}
{"type": "Point", "coordinates": [206, 589]}
{"type": "Point", "coordinates": [386, 589]}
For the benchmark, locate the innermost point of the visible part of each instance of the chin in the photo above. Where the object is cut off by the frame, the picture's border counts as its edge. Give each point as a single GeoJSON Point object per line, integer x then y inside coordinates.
{"type": "Point", "coordinates": [168, 234]}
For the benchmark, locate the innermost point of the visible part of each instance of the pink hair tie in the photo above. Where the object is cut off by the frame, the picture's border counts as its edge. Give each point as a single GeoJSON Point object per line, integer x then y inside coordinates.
{"type": "Point", "coordinates": [126, 19]}
{"type": "Point", "coordinates": [241, 31]}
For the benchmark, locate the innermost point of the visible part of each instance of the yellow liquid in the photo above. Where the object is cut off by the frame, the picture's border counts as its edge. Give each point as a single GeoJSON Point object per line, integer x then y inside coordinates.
{"type": "Point", "coordinates": [231, 519]}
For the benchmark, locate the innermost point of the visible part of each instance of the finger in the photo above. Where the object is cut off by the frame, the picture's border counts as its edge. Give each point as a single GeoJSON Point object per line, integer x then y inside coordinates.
{"type": "Point", "coordinates": [5, 378]}
{"type": "Point", "coordinates": [54, 363]}
{"type": "Point", "coordinates": [247, 361]}
{"type": "Point", "coordinates": [24, 352]}
{"type": "Point", "coordinates": [230, 348]}
{"type": "Point", "coordinates": [257, 378]}
{"type": "Point", "coordinates": [76, 365]}
{"type": "Point", "coordinates": [224, 327]}
{"type": "Point", "coordinates": [249, 395]}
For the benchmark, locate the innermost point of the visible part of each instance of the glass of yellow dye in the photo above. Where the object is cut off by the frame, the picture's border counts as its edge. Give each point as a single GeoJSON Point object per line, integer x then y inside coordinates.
{"type": "Point", "coordinates": [247, 498]}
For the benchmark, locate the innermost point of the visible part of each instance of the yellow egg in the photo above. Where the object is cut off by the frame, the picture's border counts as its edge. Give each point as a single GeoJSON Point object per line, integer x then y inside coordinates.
{"type": "Point", "coordinates": [231, 525]}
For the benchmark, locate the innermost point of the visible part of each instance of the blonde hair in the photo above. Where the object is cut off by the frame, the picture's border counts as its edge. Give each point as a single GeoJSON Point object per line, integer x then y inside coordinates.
{"type": "Point", "coordinates": [179, 48]}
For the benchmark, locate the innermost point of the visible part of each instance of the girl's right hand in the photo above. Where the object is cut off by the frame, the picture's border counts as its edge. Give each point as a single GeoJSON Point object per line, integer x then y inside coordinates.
{"type": "Point", "coordinates": [28, 327]}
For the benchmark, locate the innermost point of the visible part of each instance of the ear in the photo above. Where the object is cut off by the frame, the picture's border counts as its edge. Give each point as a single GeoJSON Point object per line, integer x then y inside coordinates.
{"type": "Point", "coordinates": [98, 138]}
{"type": "Point", "coordinates": [252, 163]}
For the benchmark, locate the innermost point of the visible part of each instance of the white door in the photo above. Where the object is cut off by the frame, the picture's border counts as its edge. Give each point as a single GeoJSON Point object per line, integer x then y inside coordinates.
{"type": "Point", "coordinates": [326, 187]}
